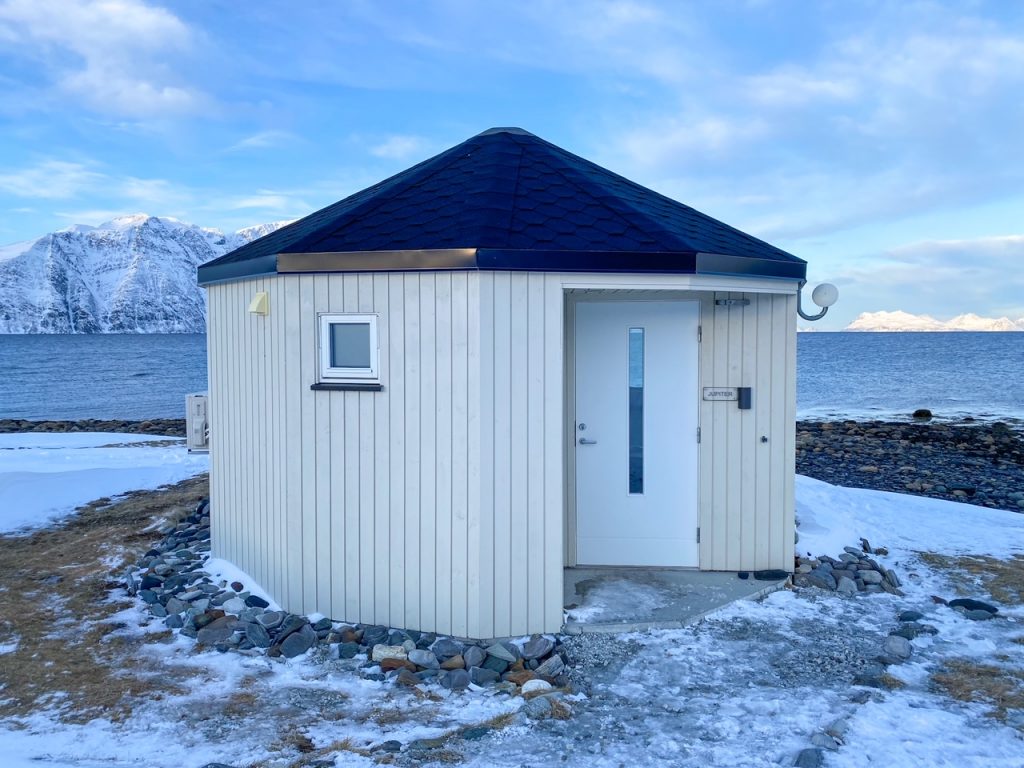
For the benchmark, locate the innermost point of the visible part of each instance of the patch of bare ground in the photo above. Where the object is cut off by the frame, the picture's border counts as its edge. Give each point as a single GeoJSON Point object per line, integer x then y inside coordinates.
{"type": "Point", "coordinates": [1003, 579]}
{"type": "Point", "coordinates": [1001, 687]}
{"type": "Point", "coordinates": [57, 607]}
{"type": "Point", "coordinates": [998, 683]}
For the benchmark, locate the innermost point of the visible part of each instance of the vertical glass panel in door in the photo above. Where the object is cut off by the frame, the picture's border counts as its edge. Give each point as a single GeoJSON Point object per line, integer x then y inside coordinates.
{"type": "Point", "coordinates": [636, 410]}
{"type": "Point", "coordinates": [350, 345]}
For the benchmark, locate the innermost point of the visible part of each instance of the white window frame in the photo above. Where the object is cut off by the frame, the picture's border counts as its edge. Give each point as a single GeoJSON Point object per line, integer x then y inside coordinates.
{"type": "Point", "coordinates": [329, 373]}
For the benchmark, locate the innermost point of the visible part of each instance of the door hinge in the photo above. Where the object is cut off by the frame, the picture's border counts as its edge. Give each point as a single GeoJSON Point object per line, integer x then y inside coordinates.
{"type": "Point", "coordinates": [700, 334]}
{"type": "Point", "coordinates": [698, 434]}
{"type": "Point", "coordinates": [698, 534]}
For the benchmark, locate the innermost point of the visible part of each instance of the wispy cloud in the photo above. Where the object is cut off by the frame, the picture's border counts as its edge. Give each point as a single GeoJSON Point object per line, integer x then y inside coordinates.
{"type": "Point", "coordinates": [879, 125]}
{"type": "Point", "coordinates": [92, 217]}
{"type": "Point", "coordinates": [50, 180]}
{"type": "Point", "coordinates": [262, 140]}
{"type": "Point", "coordinates": [278, 204]}
{"type": "Point", "coordinates": [112, 55]}
{"type": "Point", "coordinates": [943, 277]}
{"type": "Point", "coordinates": [400, 147]}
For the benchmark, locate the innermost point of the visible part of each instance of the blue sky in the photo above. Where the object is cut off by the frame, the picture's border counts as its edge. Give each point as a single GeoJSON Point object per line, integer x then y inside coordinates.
{"type": "Point", "coordinates": [881, 141]}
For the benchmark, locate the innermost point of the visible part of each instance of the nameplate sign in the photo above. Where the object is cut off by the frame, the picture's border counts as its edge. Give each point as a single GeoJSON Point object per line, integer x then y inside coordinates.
{"type": "Point", "coordinates": [720, 393]}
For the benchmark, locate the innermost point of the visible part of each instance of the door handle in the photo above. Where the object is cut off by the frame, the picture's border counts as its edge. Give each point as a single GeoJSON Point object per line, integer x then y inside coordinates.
{"type": "Point", "coordinates": [584, 441]}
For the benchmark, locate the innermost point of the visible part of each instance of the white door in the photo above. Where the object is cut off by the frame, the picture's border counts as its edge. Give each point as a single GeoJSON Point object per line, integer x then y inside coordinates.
{"type": "Point", "coordinates": [636, 433]}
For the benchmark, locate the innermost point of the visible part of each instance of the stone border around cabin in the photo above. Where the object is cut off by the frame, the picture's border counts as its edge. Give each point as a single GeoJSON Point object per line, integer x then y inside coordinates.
{"type": "Point", "coordinates": [170, 579]}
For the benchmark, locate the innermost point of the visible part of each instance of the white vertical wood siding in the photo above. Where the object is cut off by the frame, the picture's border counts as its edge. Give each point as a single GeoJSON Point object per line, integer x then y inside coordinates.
{"type": "Point", "coordinates": [439, 503]}
{"type": "Point", "coordinates": [434, 504]}
{"type": "Point", "coordinates": [746, 487]}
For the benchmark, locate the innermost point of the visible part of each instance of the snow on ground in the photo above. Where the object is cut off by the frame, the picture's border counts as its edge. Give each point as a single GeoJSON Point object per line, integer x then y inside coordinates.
{"type": "Point", "coordinates": [45, 476]}
{"type": "Point", "coordinates": [750, 686]}
{"type": "Point", "coordinates": [832, 518]}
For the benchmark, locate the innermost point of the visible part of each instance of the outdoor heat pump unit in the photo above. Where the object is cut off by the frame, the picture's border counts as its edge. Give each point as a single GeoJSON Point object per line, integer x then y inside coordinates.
{"type": "Point", "coordinates": [197, 423]}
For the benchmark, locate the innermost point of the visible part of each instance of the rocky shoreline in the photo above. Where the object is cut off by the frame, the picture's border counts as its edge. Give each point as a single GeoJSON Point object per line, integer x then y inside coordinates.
{"type": "Point", "coordinates": [977, 463]}
{"type": "Point", "coordinates": [171, 427]}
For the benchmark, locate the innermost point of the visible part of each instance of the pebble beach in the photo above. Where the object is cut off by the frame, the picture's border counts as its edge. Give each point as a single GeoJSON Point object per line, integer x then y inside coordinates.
{"type": "Point", "coordinates": [976, 463]}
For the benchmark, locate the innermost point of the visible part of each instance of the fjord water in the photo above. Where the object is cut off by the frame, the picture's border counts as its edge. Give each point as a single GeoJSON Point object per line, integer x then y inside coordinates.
{"type": "Point", "coordinates": [878, 375]}
{"type": "Point", "coordinates": [839, 375]}
{"type": "Point", "coordinates": [99, 376]}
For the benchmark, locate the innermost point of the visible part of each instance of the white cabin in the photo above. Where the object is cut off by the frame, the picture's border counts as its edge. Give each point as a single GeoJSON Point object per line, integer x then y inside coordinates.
{"type": "Point", "coordinates": [429, 399]}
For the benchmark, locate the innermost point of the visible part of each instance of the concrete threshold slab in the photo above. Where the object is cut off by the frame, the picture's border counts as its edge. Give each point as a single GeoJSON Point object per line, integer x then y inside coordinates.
{"type": "Point", "coordinates": [614, 600]}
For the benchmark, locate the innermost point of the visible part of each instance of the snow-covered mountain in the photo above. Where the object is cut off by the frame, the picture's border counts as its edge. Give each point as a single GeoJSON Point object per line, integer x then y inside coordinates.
{"type": "Point", "coordinates": [904, 321]}
{"type": "Point", "coordinates": [135, 274]}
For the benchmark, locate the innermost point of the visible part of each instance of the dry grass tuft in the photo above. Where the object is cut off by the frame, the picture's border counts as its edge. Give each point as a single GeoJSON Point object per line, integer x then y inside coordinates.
{"type": "Point", "coordinates": [1002, 688]}
{"type": "Point", "coordinates": [499, 722]}
{"type": "Point", "coordinates": [70, 656]}
{"type": "Point", "coordinates": [891, 682]}
{"type": "Point", "coordinates": [1004, 579]}
{"type": "Point", "coordinates": [310, 754]}
{"type": "Point", "coordinates": [387, 716]}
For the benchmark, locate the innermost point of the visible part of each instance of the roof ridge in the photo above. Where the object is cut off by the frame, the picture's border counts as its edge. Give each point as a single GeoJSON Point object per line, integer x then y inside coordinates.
{"type": "Point", "coordinates": [373, 200]}
{"type": "Point", "coordinates": [665, 198]}
{"type": "Point", "coordinates": [585, 185]}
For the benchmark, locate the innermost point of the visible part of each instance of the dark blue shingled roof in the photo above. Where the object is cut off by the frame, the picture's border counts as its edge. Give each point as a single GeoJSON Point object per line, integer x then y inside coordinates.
{"type": "Point", "coordinates": [506, 199]}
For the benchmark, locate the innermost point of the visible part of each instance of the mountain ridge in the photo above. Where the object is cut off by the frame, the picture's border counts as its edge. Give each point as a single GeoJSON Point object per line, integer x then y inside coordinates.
{"type": "Point", "coordinates": [132, 274]}
{"type": "Point", "coordinates": [900, 321]}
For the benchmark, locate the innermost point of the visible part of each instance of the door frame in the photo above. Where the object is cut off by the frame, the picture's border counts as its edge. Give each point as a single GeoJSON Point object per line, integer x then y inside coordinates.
{"type": "Point", "coordinates": [572, 298]}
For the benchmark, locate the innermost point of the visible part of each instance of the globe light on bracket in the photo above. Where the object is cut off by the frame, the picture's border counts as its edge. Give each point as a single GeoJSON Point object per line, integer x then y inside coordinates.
{"type": "Point", "coordinates": [824, 295]}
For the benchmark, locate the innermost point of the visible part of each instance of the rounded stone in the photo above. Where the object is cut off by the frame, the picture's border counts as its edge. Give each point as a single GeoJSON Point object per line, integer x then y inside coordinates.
{"type": "Point", "coordinates": [537, 647]}
{"type": "Point", "coordinates": [538, 708]}
{"type": "Point", "coordinates": [846, 587]}
{"type": "Point", "coordinates": [971, 604]}
{"type": "Point", "coordinates": [233, 605]}
{"type": "Point", "coordinates": [499, 651]}
{"type": "Point", "coordinates": [271, 619]}
{"type": "Point", "coordinates": [455, 680]}
{"type": "Point", "coordinates": [534, 686]}
{"type": "Point", "coordinates": [445, 648]}
{"type": "Point", "coordinates": [425, 659]}
{"type": "Point", "coordinates": [381, 652]}
{"type": "Point", "coordinates": [482, 676]}
{"type": "Point", "coordinates": [257, 635]}
{"type": "Point", "coordinates": [297, 643]}
{"type": "Point", "coordinates": [897, 647]}
{"type": "Point", "coordinates": [474, 656]}
{"type": "Point", "coordinates": [347, 650]}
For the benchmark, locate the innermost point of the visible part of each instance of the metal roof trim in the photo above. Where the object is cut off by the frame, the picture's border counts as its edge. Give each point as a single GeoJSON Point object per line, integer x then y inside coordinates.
{"type": "Point", "coordinates": [513, 260]}
{"type": "Point", "coordinates": [214, 272]}
{"type": "Point", "coordinates": [379, 261]}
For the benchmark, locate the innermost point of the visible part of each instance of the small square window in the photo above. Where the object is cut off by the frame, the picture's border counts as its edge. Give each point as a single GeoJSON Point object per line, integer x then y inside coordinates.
{"type": "Point", "coordinates": [348, 347]}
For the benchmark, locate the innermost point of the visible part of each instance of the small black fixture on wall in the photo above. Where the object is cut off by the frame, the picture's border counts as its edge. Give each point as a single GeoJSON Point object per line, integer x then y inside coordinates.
{"type": "Point", "coordinates": [744, 398]}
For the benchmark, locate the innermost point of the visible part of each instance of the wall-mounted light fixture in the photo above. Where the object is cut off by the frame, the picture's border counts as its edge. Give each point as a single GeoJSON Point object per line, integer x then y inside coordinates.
{"type": "Point", "coordinates": [825, 295]}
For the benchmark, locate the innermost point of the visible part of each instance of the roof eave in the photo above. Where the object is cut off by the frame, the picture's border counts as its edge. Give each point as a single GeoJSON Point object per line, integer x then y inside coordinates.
{"type": "Point", "coordinates": [506, 259]}
{"type": "Point", "coordinates": [228, 271]}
